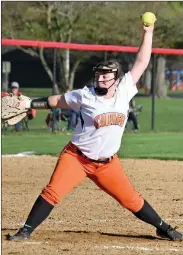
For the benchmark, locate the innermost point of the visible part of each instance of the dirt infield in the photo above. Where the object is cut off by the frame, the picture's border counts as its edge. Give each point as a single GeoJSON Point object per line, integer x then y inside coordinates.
{"type": "Point", "coordinates": [88, 221]}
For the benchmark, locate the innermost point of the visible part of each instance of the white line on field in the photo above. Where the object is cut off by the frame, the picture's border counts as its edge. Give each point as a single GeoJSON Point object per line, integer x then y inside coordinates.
{"type": "Point", "coordinates": [32, 243]}
{"type": "Point", "coordinates": [48, 221]}
{"type": "Point", "coordinates": [141, 248]}
{"type": "Point", "coordinates": [21, 154]}
{"type": "Point", "coordinates": [169, 219]}
{"type": "Point", "coordinates": [37, 243]}
{"type": "Point", "coordinates": [101, 220]}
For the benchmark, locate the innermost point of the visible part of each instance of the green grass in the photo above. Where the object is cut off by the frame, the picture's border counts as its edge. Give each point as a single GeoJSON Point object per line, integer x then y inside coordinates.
{"type": "Point", "coordinates": [41, 143]}
{"type": "Point", "coordinates": [168, 114]}
{"type": "Point", "coordinates": [36, 92]}
{"type": "Point", "coordinates": [33, 92]}
{"type": "Point", "coordinates": [152, 145]}
{"type": "Point", "coordinates": [175, 92]}
{"type": "Point", "coordinates": [166, 142]}
{"type": "Point", "coordinates": [141, 145]}
{"type": "Point", "coordinates": [169, 92]}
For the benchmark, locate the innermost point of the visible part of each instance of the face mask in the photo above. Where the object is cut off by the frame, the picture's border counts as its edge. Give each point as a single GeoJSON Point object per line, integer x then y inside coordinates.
{"type": "Point", "coordinates": [102, 91]}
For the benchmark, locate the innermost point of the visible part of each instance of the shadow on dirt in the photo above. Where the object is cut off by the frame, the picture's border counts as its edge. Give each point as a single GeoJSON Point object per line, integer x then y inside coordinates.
{"type": "Point", "coordinates": [88, 233]}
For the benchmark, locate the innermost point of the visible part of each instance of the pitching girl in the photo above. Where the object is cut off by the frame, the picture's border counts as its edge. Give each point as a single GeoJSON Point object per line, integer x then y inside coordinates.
{"type": "Point", "coordinates": [93, 149]}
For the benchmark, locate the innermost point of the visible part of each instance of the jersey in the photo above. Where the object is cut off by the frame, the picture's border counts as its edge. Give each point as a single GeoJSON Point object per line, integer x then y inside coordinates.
{"type": "Point", "coordinates": [102, 121]}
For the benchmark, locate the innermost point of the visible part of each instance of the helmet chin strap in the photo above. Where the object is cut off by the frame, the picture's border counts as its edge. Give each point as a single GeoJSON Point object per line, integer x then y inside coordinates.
{"type": "Point", "coordinates": [103, 91]}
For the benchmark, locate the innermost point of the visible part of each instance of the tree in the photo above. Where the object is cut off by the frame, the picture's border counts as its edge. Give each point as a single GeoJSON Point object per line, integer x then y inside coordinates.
{"type": "Point", "coordinates": [161, 89]}
{"type": "Point", "coordinates": [53, 21]}
{"type": "Point", "coordinates": [87, 22]}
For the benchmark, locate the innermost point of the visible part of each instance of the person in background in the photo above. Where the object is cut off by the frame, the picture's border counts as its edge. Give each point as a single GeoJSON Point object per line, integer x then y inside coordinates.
{"type": "Point", "coordinates": [50, 119]}
{"type": "Point", "coordinates": [73, 119]}
{"type": "Point", "coordinates": [132, 116]}
{"type": "Point", "coordinates": [72, 116]}
{"type": "Point", "coordinates": [16, 92]}
{"type": "Point", "coordinates": [15, 89]}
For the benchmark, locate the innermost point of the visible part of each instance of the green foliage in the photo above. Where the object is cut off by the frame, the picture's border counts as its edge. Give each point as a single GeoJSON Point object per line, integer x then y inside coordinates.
{"type": "Point", "coordinates": [92, 22]}
{"type": "Point", "coordinates": [88, 22]}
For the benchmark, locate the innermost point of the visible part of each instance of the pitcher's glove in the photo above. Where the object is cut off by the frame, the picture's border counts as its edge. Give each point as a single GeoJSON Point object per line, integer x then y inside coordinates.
{"type": "Point", "coordinates": [14, 108]}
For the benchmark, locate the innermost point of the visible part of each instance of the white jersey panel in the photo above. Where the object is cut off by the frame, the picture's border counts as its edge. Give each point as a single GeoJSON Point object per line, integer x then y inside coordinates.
{"type": "Point", "coordinates": [74, 99]}
{"type": "Point", "coordinates": [101, 126]}
{"type": "Point", "coordinates": [129, 85]}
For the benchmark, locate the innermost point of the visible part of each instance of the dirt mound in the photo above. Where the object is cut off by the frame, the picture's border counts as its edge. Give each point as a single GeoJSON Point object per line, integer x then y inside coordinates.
{"type": "Point", "coordinates": [88, 221]}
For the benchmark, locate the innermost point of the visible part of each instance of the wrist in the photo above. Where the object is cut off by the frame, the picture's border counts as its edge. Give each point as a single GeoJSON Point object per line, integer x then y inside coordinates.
{"type": "Point", "coordinates": [40, 103]}
{"type": "Point", "coordinates": [148, 32]}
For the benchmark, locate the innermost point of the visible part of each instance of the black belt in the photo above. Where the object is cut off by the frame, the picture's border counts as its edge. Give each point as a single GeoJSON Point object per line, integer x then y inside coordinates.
{"type": "Point", "coordinates": [106, 160]}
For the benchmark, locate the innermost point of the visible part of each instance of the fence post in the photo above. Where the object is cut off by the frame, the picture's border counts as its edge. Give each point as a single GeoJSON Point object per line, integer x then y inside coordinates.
{"type": "Point", "coordinates": [53, 90]}
{"type": "Point", "coordinates": [153, 85]}
{"type": "Point", "coordinates": [105, 55]}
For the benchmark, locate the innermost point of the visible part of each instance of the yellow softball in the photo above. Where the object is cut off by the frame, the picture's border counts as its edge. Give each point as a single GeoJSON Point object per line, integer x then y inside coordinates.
{"type": "Point", "coordinates": [148, 18]}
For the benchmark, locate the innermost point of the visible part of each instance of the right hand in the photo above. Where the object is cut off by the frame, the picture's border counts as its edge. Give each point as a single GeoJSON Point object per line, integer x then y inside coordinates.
{"type": "Point", "coordinates": [149, 28]}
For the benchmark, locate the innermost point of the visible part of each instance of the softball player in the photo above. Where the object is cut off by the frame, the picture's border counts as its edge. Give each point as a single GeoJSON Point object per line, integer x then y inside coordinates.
{"type": "Point", "coordinates": [92, 151]}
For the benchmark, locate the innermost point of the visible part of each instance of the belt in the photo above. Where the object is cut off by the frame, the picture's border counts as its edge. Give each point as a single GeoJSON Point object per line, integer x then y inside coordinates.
{"type": "Point", "coordinates": [105, 160]}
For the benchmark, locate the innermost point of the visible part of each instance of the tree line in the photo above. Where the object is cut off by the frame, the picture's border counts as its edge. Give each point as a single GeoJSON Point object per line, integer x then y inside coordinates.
{"type": "Point", "coordinates": [116, 23]}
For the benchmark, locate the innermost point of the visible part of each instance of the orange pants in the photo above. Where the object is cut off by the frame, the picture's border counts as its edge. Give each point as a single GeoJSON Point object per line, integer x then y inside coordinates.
{"type": "Point", "coordinates": [71, 169]}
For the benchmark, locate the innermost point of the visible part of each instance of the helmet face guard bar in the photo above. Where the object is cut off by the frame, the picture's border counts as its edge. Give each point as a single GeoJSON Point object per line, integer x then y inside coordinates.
{"type": "Point", "coordinates": [109, 67]}
{"type": "Point", "coordinates": [104, 69]}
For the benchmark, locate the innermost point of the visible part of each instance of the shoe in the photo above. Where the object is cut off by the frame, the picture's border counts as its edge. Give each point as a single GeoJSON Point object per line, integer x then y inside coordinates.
{"type": "Point", "coordinates": [22, 234]}
{"type": "Point", "coordinates": [171, 234]}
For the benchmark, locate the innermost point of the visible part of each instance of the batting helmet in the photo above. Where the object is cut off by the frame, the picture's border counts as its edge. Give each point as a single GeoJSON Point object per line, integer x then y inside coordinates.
{"type": "Point", "coordinates": [109, 66]}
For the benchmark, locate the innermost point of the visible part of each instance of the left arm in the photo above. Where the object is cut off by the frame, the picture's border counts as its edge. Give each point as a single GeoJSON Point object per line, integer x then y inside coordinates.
{"type": "Point", "coordinates": [143, 55]}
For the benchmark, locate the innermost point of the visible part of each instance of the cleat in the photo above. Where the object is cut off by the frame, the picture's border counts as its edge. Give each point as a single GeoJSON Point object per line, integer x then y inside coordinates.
{"type": "Point", "coordinates": [171, 234]}
{"type": "Point", "coordinates": [22, 234]}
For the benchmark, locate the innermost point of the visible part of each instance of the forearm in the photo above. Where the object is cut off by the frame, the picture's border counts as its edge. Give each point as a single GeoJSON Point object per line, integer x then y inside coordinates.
{"type": "Point", "coordinates": [44, 102]}
{"type": "Point", "coordinates": [51, 102]}
{"type": "Point", "coordinates": [144, 53]}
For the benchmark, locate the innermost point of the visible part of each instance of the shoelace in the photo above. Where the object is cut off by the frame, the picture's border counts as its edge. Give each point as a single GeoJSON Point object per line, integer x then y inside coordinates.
{"type": "Point", "coordinates": [172, 228]}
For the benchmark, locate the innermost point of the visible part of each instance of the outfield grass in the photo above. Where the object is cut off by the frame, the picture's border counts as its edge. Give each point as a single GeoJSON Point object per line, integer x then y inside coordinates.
{"type": "Point", "coordinates": [169, 92]}
{"type": "Point", "coordinates": [166, 142]}
{"type": "Point", "coordinates": [34, 92]}
{"type": "Point", "coordinates": [168, 114]}
{"type": "Point", "coordinates": [141, 145]}
{"type": "Point", "coordinates": [152, 145]}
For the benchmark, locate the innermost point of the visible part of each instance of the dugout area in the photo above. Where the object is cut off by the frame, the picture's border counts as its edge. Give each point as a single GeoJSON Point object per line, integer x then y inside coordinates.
{"type": "Point", "coordinates": [88, 221]}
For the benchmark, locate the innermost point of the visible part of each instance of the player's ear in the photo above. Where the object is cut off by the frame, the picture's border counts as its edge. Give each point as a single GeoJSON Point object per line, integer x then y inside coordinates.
{"type": "Point", "coordinates": [117, 82]}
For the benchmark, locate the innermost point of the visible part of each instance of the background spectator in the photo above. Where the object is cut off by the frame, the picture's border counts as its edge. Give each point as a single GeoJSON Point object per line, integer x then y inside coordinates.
{"type": "Point", "coordinates": [132, 115]}
{"type": "Point", "coordinates": [16, 92]}
{"type": "Point", "coordinates": [15, 89]}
